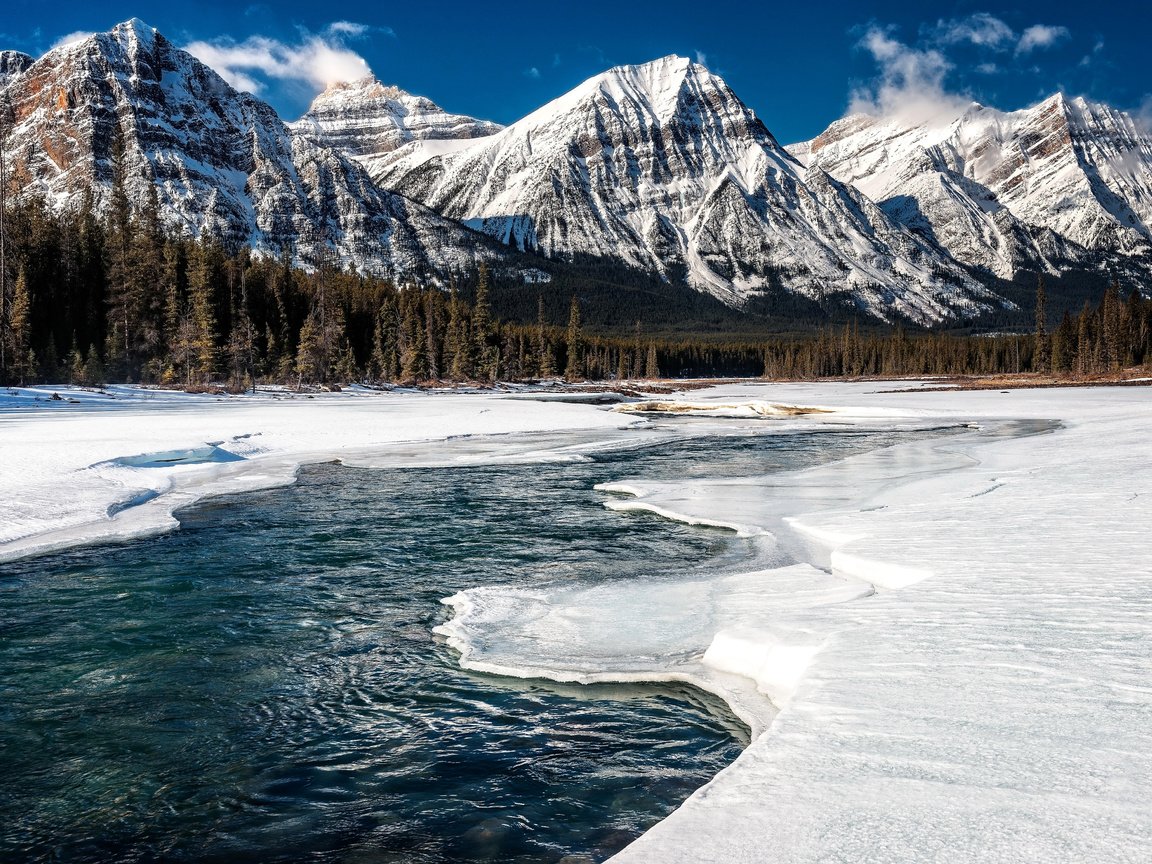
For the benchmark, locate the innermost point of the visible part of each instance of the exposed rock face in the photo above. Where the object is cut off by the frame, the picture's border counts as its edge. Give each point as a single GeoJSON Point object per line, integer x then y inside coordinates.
{"type": "Point", "coordinates": [223, 162]}
{"type": "Point", "coordinates": [12, 64]}
{"type": "Point", "coordinates": [1065, 183]}
{"type": "Point", "coordinates": [663, 167]}
{"type": "Point", "coordinates": [366, 120]}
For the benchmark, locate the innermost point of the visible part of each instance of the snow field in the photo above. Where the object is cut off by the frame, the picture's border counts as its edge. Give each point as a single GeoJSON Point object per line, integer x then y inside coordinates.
{"type": "Point", "coordinates": [60, 485]}
{"type": "Point", "coordinates": [977, 686]}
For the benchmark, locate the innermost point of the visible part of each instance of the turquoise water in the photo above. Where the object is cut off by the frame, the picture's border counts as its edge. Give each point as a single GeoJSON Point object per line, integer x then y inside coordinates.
{"type": "Point", "coordinates": [263, 685]}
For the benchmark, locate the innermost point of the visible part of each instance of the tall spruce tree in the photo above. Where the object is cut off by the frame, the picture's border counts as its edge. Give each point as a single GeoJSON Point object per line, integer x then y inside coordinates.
{"type": "Point", "coordinates": [651, 365]}
{"type": "Point", "coordinates": [123, 299]}
{"type": "Point", "coordinates": [1084, 341]}
{"type": "Point", "coordinates": [458, 346]}
{"type": "Point", "coordinates": [487, 354]}
{"type": "Point", "coordinates": [545, 360]}
{"type": "Point", "coordinates": [200, 330]}
{"type": "Point", "coordinates": [1112, 315]}
{"type": "Point", "coordinates": [1041, 355]}
{"type": "Point", "coordinates": [18, 335]}
{"type": "Point", "coordinates": [433, 335]}
{"type": "Point", "coordinates": [574, 368]}
{"type": "Point", "coordinates": [413, 357]}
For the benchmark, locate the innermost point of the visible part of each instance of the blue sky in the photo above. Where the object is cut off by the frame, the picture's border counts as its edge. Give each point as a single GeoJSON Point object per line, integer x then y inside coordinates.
{"type": "Point", "coordinates": [799, 65]}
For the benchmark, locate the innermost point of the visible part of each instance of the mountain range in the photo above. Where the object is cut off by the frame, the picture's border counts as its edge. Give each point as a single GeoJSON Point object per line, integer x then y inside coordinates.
{"type": "Point", "coordinates": [658, 167]}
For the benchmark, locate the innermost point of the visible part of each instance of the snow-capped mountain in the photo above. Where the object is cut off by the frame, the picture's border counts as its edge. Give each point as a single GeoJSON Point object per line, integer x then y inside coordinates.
{"type": "Point", "coordinates": [663, 167]}
{"type": "Point", "coordinates": [1065, 183]}
{"type": "Point", "coordinates": [367, 119]}
{"type": "Point", "coordinates": [223, 162]}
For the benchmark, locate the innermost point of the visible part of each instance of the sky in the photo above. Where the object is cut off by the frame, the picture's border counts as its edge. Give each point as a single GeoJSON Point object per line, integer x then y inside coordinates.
{"type": "Point", "coordinates": [798, 65]}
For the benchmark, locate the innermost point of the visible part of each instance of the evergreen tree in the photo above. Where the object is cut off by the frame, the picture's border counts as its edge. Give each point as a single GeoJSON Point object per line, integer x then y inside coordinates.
{"type": "Point", "coordinates": [1084, 341]}
{"type": "Point", "coordinates": [377, 361]}
{"type": "Point", "coordinates": [1064, 345]}
{"type": "Point", "coordinates": [123, 299]}
{"type": "Point", "coordinates": [1112, 314]}
{"type": "Point", "coordinates": [433, 336]}
{"type": "Point", "coordinates": [651, 366]}
{"type": "Point", "coordinates": [458, 347]}
{"type": "Point", "coordinates": [545, 360]}
{"type": "Point", "coordinates": [200, 324]}
{"type": "Point", "coordinates": [413, 356]}
{"type": "Point", "coordinates": [241, 350]}
{"type": "Point", "coordinates": [623, 365]}
{"type": "Point", "coordinates": [487, 355]}
{"type": "Point", "coordinates": [390, 330]}
{"type": "Point", "coordinates": [574, 369]}
{"type": "Point", "coordinates": [309, 351]}
{"type": "Point", "coordinates": [19, 330]}
{"type": "Point", "coordinates": [1041, 358]}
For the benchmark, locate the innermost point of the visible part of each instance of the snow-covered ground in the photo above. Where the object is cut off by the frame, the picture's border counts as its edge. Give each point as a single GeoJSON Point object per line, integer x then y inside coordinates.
{"type": "Point", "coordinates": [961, 660]}
{"type": "Point", "coordinates": [968, 678]}
{"type": "Point", "coordinates": [63, 477]}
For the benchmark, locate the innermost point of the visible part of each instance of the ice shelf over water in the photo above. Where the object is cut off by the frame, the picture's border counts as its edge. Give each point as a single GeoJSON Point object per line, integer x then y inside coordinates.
{"type": "Point", "coordinates": [957, 667]}
{"type": "Point", "coordinates": [969, 678]}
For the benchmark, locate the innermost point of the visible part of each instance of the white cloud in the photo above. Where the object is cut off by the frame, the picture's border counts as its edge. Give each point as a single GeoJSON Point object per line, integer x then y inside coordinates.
{"type": "Point", "coordinates": [701, 58]}
{"type": "Point", "coordinates": [317, 60]}
{"type": "Point", "coordinates": [981, 29]}
{"type": "Point", "coordinates": [1040, 36]}
{"type": "Point", "coordinates": [532, 72]}
{"type": "Point", "coordinates": [347, 28]}
{"type": "Point", "coordinates": [912, 78]}
{"type": "Point", "coordinates": [911, 82]}
{"type": "Point", "coordinates": [71, 39]}
{"type": "Point", "coordinates": [355, 30]}
{"type": "Point", "coordinates": [1143, 114]}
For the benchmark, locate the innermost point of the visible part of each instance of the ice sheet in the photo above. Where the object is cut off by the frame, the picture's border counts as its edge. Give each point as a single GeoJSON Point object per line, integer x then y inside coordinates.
{"type": "Point", "coordinates": [643, 629]}
{"type": "Point", "coordinates": [991, 701]}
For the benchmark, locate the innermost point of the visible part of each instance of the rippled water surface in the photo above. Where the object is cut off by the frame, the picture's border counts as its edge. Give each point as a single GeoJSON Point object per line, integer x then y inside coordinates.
{"type": "Point", "coordinates": [263, 685]}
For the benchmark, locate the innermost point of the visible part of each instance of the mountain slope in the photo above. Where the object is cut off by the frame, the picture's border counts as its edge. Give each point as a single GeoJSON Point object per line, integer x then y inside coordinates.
{"type": "Point", "coordinates": [223, 162]}
{"type": "Point", "coordinates": [661, 166]}
{"type": "Point", "coordinates": [1067, 183]}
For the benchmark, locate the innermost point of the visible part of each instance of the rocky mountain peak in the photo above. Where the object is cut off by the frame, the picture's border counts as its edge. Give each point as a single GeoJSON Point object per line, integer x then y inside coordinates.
{"type": "Point", "coordinates": [662, 166]}
{"type": "Point", "coordinates": [363, 90]}
{"type": "Point", "coordinates": [222, 162]}
{"type": "Point", "coordinates": [1064, 183]}
{"type": "Point", "coordinates": [367, 120]}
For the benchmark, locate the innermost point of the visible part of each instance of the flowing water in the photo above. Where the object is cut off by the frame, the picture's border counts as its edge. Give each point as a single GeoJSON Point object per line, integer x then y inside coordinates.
{"type": "Point", "coordinates": [263, 685]}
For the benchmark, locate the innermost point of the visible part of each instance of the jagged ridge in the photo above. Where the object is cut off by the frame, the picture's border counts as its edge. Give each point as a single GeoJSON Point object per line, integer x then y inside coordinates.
{"type": "Point", "coordinates": [1066, 183]}
{"type": "Point", "coordinates": [223, 162]}
{"type": "Point", "coordinates": [663, 167]}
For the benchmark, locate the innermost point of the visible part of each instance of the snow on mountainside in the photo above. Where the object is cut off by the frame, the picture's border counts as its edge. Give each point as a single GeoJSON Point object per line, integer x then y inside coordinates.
{"type": "Point", "coordinates": [13, 63]}
{"type": "Point", "coordinates": [663, 167]}
{"type": "Point", "coordinates": [1064, 183]}
{"type": "Point", "coordinates": [367, 120]}
{"type": "Point", "coordinates": [223, 162]}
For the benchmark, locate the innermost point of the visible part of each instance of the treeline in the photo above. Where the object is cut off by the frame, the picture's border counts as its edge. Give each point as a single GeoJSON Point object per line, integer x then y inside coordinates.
{"type": "Point", "coordinates": [92, 300]}
{"type": "Point", "coordinates": [1113, 334]}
